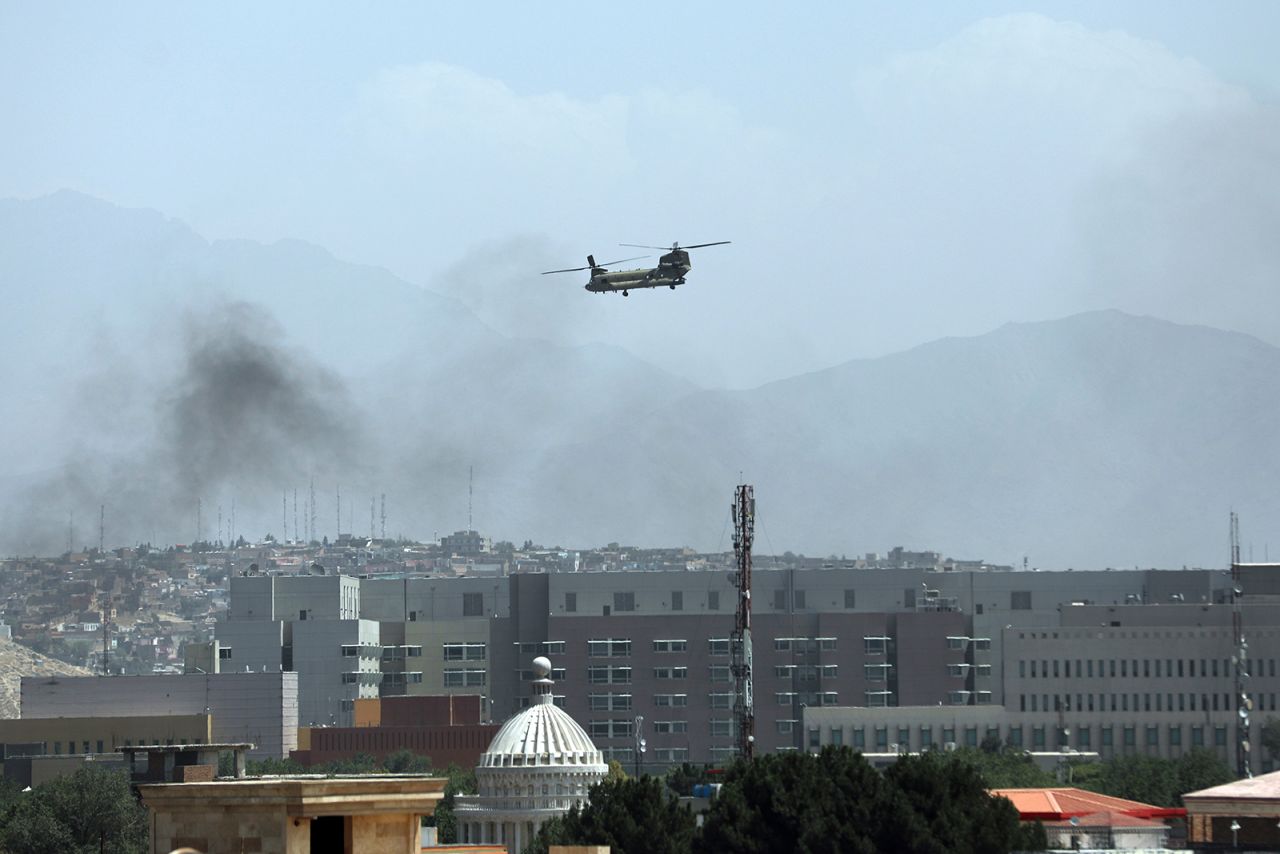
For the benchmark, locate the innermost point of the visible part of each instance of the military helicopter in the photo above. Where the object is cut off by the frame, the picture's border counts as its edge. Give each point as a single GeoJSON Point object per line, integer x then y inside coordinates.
{"type": "Point", "coordinates": [670, 271]}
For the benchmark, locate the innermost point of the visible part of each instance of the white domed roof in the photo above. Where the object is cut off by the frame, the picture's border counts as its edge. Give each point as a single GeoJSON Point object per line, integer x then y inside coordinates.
{"type": "Point", "coordinates": [542, 734]}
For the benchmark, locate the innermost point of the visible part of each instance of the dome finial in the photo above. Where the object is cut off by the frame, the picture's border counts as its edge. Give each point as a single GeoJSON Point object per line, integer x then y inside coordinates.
{"type": "Point", "coordinates": [542, 680]}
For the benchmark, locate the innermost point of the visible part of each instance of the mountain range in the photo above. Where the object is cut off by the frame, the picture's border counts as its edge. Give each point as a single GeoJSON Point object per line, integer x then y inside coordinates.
{"type": "Point", "coordinates": [148, 368]}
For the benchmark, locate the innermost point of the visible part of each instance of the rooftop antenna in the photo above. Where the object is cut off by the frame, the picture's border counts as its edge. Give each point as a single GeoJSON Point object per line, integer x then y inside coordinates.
{"type": "Point", "coordinates": [371, 506]}
{"type": "Point", "coordinates": [295, 514]}
{"type": "Point", "coordinates": [219, 525]}
{"type": "Point", "coordinates": [71, 532]}
{"type": "Point", "coordinates": [102, 528]}
{"type": "Point", "coordinates": [284, 515]}
{"type": "Point", "coordinates": [471, 483]}
{"type": "Point", "coordinates": [311, 528]}
{"type": "Point", "coordinates": [199, 519]}
{"type": "Point", "coordinates": [384, 515]}
{"type": "Point", "coordinates": [231, 527]}
{"type": "Point", "coordinates": [1241, 658]}
{"type": "Point", "coordinates": [339, 507]}
{"type": "Point", "coordinates": [744, 524]}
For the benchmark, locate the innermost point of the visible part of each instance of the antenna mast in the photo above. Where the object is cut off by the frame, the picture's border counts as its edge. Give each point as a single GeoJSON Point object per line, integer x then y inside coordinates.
{"type": "Point", "coordinates": [744, 524]}
{"type": "Point", "coordinates": [384, 515]}
{"type": "Point", "coordinates": [339, 507]}
{"type": "Point", "coordinates": [1241, 657]}
{"type": "Point", "coordinates": [471, 483]}
{"type": "Point", "coordinates": [102, 528]}
{"type": "Point", "coordinates": [311, 535]}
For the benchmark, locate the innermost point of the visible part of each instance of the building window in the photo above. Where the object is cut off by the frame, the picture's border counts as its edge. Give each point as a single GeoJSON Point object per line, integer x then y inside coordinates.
{"type": "Point", "coordinates": [1037, 737]}
{"type": "Point", "coordinates": [1175, 735]}
{"type": "Point", "coordinates": [609, 648]}
{"type": "Point", "coordinates": [1015, 736]}
{"type": "Point", "coordinates": [780, 600]}
{"type": "Point", "coordinates": [1220, 736]}
{"type": "Point", "coordinates": [610, 702]}
{"type": "Point", "coordinates": [785, 727]}
{"type": "Point", "coordinates": [720, 673]}
{"type": "Point", "coordinates": [464, 678]}
{"type": "Point", "coordinates": [827, 644]}
{"type": "Point", "coordinates": [874, 645]}
{"type": "Point", "coordinates": [670, 727]}
{"type": "Point", "coordinates": [721, 700]}
{"type": "Point", "coordinates": [878, 699]}
{"type": "Point", "coordinates": [624, 601]}
{"type": "Point", "coordinates": [460, 652]}
{"type": "Point", "coordinates": [1020, 600]}
{"type": "Point", "coordinates": [677, 600]}
{"type": "Point", "coordinates": [926, 737]}
{"type": "Point", "coordinates": [1130, 736]}
{"type": "Point", "coordinates": [850, 599]}
{"type": "Point", "coordinates": [1197, 735]}
{"type": "Point", "coordinates": [571, 602]}
{"type": "Point", "coordinates": [473, 604]}
{"type": "Point", "coordinates": [721, 728]}
{"type": "Point", "coordinates": [670, 646]}
{"type": "Point", "coordinates": [671, 754]}
{"type": "Point", "coordinates": [859, 738]}
{"type": "Point", "coordinates": [837, 736]}
{"type": "Point", "coordinates": [713, 600]}
{"type": "Point", "coordinates": [615, 728]}
{"type": "Point", "coordinates": [671, 700]}
{"type": "Point", "coordinates": [718, 646]}
{"type": "Point", "coordinates": [680, 672]}
{"type": "Point", "coordinates": [608, 674]}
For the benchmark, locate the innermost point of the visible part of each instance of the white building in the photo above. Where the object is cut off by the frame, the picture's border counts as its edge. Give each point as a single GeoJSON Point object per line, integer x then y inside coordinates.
{"type": "Point", "coordinates": [539, 765]}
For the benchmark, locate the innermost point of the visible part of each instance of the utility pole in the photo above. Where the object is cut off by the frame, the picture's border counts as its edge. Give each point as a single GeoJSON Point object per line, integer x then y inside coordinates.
{"type": "Point", "coordinates": [744, 524]}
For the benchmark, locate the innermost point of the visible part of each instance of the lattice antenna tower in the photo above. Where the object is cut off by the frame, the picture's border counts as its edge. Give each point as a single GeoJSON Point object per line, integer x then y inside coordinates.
{"type": "Point", "coordinates": [744, 523]}
{"type": "Point", "coordinates": [471, 483]}
{"type": "Point", "coordinates": [1244, 705]}
{"type": "Point", "coordinates": [384, 515]}
{"type": "Point", "coordinates": [102, 528]}
{"type": "Point", "coordinates": [311, 535]}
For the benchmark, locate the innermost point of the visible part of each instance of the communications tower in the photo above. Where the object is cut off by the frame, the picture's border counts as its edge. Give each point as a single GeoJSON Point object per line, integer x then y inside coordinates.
{"type": "Point", "coordinates": [744, 524]}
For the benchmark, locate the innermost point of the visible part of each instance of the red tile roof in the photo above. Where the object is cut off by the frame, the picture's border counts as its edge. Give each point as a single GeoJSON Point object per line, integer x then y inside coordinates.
{"type": "Point", "coordinates": [1066, 803]}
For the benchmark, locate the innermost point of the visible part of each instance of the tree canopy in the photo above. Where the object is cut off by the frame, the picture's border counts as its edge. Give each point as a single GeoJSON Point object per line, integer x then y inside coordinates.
{"type": "Point", "coordinates": [90, 810]}
{"type": "Point", "coordinates": [630, 815]}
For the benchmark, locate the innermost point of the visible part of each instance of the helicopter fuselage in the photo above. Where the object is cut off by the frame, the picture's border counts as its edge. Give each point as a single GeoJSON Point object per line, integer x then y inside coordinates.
{"type": "Point", "coordinates": [669, 273]}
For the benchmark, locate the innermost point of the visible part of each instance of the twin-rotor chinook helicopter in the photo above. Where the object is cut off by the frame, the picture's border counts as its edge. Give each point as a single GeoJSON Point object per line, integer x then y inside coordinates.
{"type": "Point", "coordinates": [671, 270]}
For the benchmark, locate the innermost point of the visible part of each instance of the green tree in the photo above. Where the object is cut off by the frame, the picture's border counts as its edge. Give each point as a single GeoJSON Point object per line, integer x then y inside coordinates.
{"type": "Point", "coordinates": [406, 762]}
{"type": "Point", "coordinates": [948, 797]}
{"type": "Point", "coordinates": [828, 802]}
{"type": "Point", "coordinates": [90, 810]}
{"type": "Point", "coordinates": [461, 781]}
{"type": "Point", "coordinates": [1006, 767]}
{"type": "Point", "coordinates": [682, 778]}
{"type": "Point", "coordinates": [1271, 737]}
{"type": "Point", "coordinates": [616, 771]}
{"type": "Point", "coordinates": [631, 816]}
{"type": "Point", "coordinates": [1199, 769]}
{"type": "Point", "coordinates": [1135, 777]}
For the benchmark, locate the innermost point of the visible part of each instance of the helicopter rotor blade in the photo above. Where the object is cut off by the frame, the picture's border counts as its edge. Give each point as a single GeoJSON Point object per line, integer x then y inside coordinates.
{"type": "Point", "coordinates": [673, 247]}
{"type": "Point", "coordinates": [566, 270]}
{"type": "Point", "coordinates": [622, 260]}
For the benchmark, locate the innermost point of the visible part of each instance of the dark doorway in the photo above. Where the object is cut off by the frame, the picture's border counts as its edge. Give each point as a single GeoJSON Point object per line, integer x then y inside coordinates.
{"type": "Point", "coordinates": [329, 835]}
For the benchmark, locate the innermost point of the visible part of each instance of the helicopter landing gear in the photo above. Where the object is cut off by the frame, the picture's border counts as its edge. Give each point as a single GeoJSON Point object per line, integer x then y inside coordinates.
{"type": "Point", "coordinates": [625, 294]}
{"type": "Point", "coordinates": [673, 287]}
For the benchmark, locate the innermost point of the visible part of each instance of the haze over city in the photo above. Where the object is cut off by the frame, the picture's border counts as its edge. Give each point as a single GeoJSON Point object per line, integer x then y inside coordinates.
{"type": "Point", "coordinates": [247, 248]}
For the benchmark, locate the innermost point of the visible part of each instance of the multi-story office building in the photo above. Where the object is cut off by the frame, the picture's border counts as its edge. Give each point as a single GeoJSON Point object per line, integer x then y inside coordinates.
{"type": "Point", "coordinates": [257, 708]}
{"type": "Point", "coordinates": [654, 645]}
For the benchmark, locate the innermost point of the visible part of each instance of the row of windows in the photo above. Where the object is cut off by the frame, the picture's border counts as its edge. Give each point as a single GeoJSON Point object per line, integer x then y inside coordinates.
{"type": "Point", "coordinates": [458, 677]}
{"type": "Point", "coordinates": [622, 728]}
{"type": "Point", "coordinates": [1124, 668]}
{"type": "Point", "coordinates": [668, 755]}
{"type": "Point", "coordinates": [1041, 736]}
{"type": "Point", "coordinates": [464, 651]}
{"type": "Point", "coordinates": [1145, 702]}
{"type": "Point", "coordinates": [718, 700]}
{"type": "Point", "coordinates": [626, 601]}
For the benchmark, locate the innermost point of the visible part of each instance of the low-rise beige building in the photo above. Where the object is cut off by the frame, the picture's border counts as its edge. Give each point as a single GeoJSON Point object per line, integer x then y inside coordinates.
{"type": "Point", "coordinates": [292, 815]}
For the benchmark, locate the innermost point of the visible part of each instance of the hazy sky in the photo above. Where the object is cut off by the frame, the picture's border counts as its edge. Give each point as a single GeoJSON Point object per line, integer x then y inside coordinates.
{"type": "Point", "coordinates": [888, 173]}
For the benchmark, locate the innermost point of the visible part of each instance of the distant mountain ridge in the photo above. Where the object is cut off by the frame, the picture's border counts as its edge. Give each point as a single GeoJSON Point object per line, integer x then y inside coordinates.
{"type": "Point", "coordinates": [164, 368]}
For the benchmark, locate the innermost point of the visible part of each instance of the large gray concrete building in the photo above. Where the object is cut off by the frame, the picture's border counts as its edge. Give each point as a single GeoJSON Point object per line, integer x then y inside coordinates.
{"type": "Point", "coordinates": [867, 644]}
